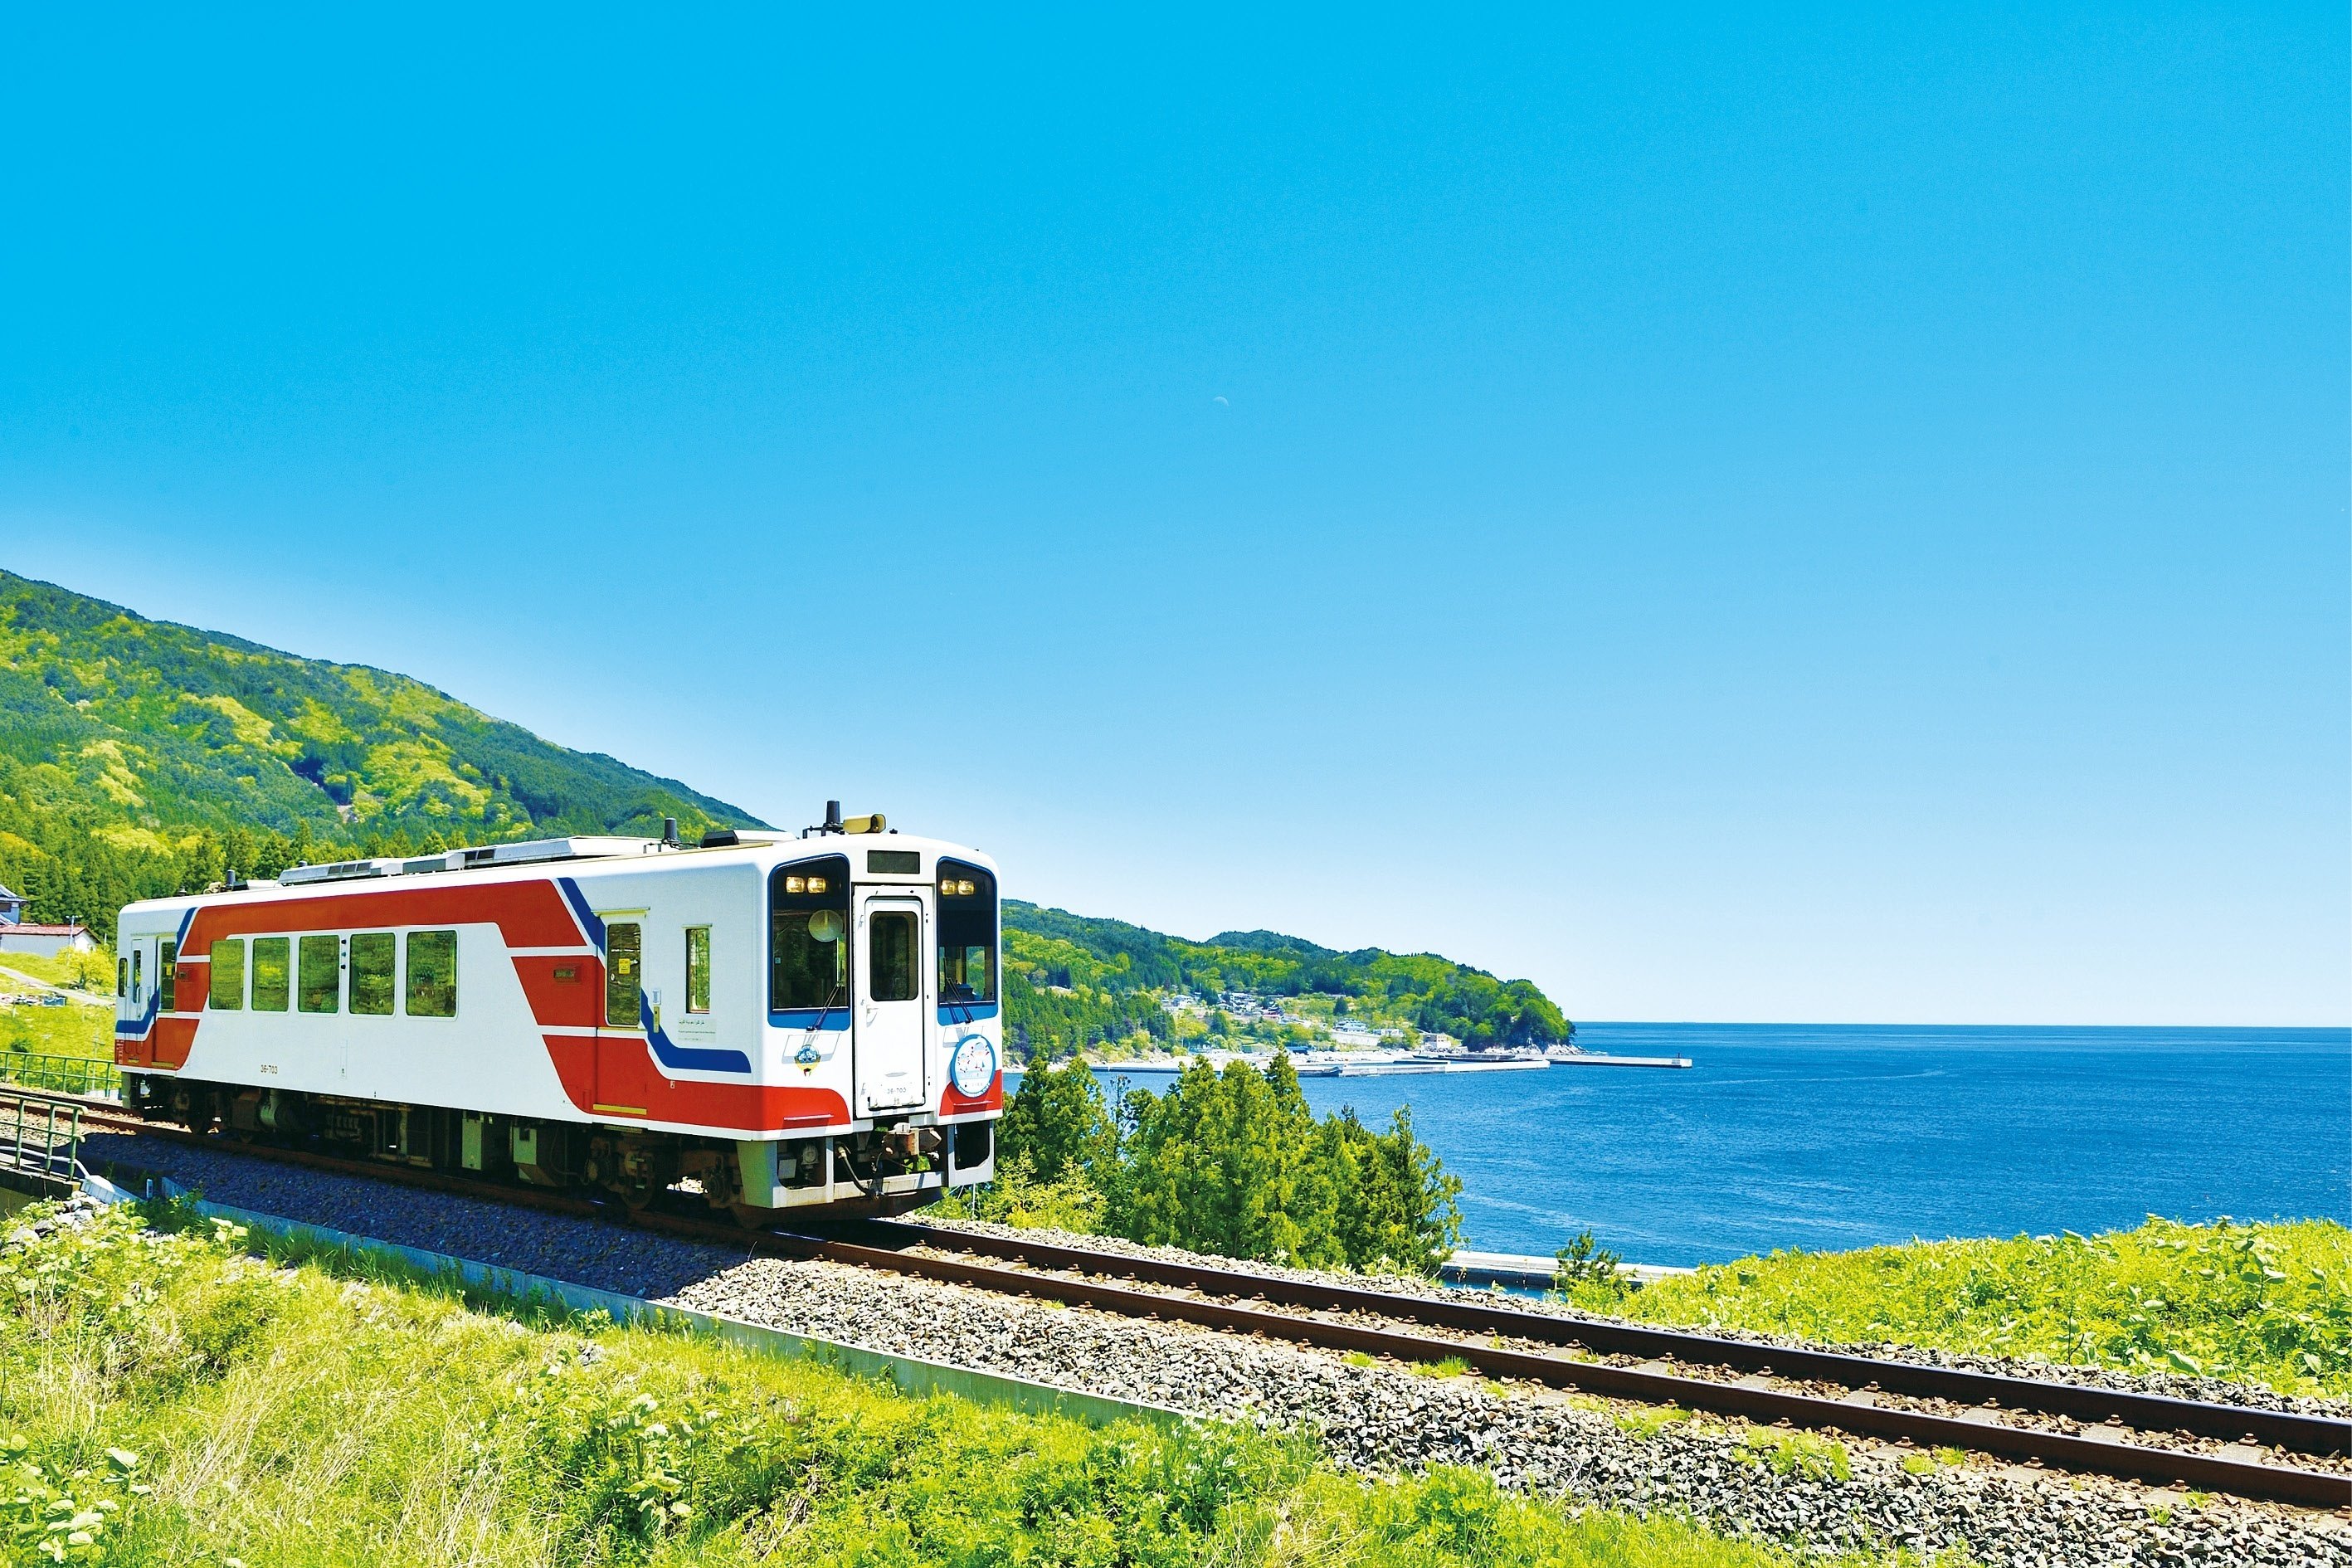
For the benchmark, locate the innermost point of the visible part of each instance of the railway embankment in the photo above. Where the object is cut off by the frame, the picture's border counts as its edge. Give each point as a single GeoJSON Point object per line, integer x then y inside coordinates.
{"type": "Point", "coordinates": [1376, 1417]}
{"type": "Point", "coordinates": [167, 1395]}
{"type": "Point", "coordinates": [2135, 1374]}
{"type": "Point", "coordinates": [2183, 1308]}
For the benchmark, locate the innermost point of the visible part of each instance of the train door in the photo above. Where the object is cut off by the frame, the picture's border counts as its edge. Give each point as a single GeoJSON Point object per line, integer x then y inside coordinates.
{"type": "Point", "coordinates": [623, 1071]}
{"type": "Point", "coordinates": [135, 979]}
{"type": "Point", "coordinates": [888, 1041]}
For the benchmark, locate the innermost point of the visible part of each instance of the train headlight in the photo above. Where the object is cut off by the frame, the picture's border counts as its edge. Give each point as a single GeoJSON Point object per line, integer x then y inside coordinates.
{"type": "Point", "coordinates": [796, 884]}
{"type": "Point", "coordinates": [974, 1066]}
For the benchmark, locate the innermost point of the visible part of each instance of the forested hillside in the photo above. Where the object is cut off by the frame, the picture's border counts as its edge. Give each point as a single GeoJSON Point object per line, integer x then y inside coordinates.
{"type": "Point", "coordinates": [1081, 983]}
{"type": "Point", "coordinates": [138, 757]}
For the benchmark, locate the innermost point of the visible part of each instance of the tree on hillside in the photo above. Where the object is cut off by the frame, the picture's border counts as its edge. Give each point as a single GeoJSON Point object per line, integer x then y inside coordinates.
{"type": "Point", "coordinates": [1396, 1203]}
{"type": "Point", "coordinates": [1056, 1125]}
{"type": "Point", "coordinates": [1206, 1168]}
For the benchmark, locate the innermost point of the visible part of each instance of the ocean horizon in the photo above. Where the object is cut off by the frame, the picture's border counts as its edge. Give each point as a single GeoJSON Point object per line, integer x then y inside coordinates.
{"type": "Point", "coordinates": [1830, 1136]}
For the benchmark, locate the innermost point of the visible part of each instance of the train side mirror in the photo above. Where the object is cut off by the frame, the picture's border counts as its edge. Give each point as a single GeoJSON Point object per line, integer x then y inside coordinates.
{"type": "Point", "coordinates": [825, 925]}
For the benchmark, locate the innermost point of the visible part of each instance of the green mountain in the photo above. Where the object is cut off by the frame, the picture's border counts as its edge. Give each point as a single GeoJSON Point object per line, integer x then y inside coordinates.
{"type": "Point", "coordinates": [1085, 983]}
{"type": "Point", "coordinates": [140, 757]}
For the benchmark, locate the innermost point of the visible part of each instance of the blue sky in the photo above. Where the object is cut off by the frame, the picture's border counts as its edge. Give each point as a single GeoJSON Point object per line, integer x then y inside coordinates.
{"type": "Point", "coordinates": [1830, 517]}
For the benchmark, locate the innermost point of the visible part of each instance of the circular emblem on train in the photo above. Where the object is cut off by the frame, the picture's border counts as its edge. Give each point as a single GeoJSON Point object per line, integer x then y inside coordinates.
{"type": "Point", "coordinates": [973, 1066]}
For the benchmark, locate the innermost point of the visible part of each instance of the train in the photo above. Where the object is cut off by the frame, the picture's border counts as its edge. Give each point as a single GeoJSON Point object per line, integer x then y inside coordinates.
{"type": "Point", "coordinates": [773, 1020]}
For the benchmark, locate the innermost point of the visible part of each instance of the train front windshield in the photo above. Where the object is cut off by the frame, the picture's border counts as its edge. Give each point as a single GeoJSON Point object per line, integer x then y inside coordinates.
{"type": "Point", "coordinates": [967, 933]}
{"type": "Point", "coordinates": [808, 935]}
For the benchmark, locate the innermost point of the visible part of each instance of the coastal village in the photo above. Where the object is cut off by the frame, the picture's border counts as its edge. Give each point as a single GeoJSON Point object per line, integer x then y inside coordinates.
{"type": "Point", "coordinates": [1249, 1027]}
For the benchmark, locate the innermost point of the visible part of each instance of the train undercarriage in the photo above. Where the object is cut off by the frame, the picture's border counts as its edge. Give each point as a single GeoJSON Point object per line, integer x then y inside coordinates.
{"type": "Point", "coordinates": [882, 1170]}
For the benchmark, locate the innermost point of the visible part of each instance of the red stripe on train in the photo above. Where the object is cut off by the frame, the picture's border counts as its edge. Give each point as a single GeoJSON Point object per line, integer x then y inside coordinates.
{"type": "Point", "coordinates": [598, 1074]}
{"type": "Point", "coordinates": [613, 1078]}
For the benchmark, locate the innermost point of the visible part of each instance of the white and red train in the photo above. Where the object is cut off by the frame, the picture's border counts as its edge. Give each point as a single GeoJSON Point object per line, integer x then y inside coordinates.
{"type": "Point", "coordinates": [786, 1020]}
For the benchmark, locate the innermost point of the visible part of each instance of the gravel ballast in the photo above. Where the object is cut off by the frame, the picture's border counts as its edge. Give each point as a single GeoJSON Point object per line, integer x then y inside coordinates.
{"type": "Point", "coordinates": [2173, 1385]}
{"type": "Point", "coordinates": [1382, 1418]}
{"type": "Point", "coordinates": [1374, 1418]}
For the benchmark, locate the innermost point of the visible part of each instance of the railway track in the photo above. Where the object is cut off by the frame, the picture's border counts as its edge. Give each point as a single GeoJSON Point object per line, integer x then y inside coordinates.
{"type": "Point", "coordinates": [2068, 1427]}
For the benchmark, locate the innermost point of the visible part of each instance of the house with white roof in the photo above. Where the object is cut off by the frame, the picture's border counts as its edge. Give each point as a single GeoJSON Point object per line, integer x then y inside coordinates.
{"type": "Point", "coordinates": [44, 941]}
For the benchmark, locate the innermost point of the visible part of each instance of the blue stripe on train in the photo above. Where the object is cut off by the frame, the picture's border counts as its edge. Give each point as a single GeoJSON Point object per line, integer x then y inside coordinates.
{"type": "Point", "coordinates": [810, 1018]}
{"type": "Point", "coordinates": [588, 924]}
{"type": "Point", "coordinates": [687, 1059]}
{"type": "Point", "coordinates": [138, 1031]}
{"type": "Point", "coordinates": [667, 1051]}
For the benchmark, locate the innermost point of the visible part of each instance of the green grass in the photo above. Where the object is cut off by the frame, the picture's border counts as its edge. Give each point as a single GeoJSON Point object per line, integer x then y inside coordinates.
{"type": "Point", "coordinates": [72, 1030]}
{"type": "Point", "coordinates": [1796, 1453]}
{"type": "Point", "coordinates": [1644, 1420]}
{"type": "Point", "coordinates": [2259, 1303]}
{"type": "Point", "coordinates": [91, 972]}
{"type": "Point", "coordinates": [166, 1398]}
{"type": "Point", "coordinates": [1017, 1199]}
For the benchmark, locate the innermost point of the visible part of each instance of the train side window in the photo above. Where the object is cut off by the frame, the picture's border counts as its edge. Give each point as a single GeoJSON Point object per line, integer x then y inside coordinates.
{"type": "Point", "coordinates": [698, 969]}
{"type": "Point", "coordinates": [227, 993]}
{"type": "Point", "coordinates": [432, 975]}
{"type": "Point", "coordinates": [373, 953]}
{"type": "Point", "coordinates": [167, 974]}
{"type": "Point", "coordinates": [273, 973]}
{"type": "Point", "coordinates": [319, 979]}
{"type": "Point", "coordinates": [890, 956]}
{"type": "Point", "coordinates": [138, 986]}
{"type": "Point", "coordinates": [122, 977]}
{"type": "Point", "coordinates": [624, 947]}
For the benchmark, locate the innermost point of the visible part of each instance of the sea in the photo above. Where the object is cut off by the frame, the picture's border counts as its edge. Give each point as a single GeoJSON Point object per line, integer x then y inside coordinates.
{"type": "Point", "coordinates": [1834, 1136]}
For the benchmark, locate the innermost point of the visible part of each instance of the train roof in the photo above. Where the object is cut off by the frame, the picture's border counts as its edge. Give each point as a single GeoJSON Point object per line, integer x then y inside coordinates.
{"type": "Point", "coordinates": [580, 852]}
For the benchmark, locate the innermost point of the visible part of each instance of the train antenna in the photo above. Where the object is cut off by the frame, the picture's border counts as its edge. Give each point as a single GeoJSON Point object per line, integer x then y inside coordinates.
{"type": "Point", "coordinates": [832, 817]}
{"type": "Point", "coordinates": [670, 832]}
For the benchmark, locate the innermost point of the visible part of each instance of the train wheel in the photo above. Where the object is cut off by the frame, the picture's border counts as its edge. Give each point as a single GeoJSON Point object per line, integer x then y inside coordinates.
{"type": "Point", "coordinates": [722, 1187]}
{"type": "Point", "coordinates": [751, 1217]}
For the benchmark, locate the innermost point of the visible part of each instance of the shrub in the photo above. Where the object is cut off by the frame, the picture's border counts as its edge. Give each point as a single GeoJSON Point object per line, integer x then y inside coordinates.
{"type": "Point", "coordinates": [2265, 1303]}
{"type": "Point", "coordinates": [1587, 1274]}
{"type": "Point", "coordinates": [1231, 1163]}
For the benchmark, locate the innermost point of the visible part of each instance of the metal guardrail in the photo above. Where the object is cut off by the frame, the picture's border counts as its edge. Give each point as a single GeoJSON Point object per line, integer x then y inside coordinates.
{"type": "Point", "coordinates": [62, 1075]}
{"type": "Point", "coordinates": [40, 1138]}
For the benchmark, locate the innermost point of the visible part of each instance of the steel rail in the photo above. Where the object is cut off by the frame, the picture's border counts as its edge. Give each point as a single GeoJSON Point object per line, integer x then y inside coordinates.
{"type": "Point", "coordinates": [2098, 1455]}
{"type": "Point", "coordinates": [2040, 1397]}
{"type": "Point", "coordinates": [2318, 1489]}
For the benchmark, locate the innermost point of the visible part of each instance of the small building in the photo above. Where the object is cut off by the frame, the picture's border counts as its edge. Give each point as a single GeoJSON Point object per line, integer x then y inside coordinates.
{"type": "Point", "coordinates": [11, 907]}
{"type": "Point", "coordinates": [45, 942]}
